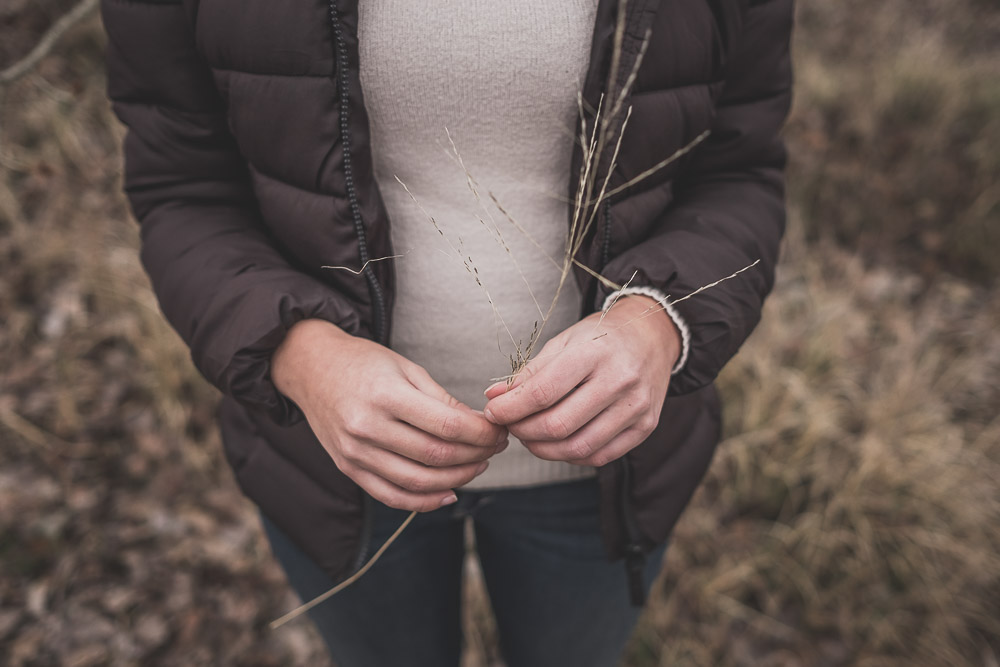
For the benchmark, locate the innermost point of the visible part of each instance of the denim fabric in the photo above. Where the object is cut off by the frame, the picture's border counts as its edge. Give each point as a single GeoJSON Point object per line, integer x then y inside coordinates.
{"type": "Point", "coordinates": [557, 599]}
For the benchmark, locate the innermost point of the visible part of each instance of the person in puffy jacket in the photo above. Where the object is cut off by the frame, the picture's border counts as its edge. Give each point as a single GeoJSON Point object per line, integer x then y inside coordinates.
{"type": "Point", "coordinates": [356, 214]}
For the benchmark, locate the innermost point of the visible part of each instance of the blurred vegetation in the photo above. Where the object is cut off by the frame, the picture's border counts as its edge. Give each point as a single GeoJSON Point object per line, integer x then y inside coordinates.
{"type": "Point", "coordinates": [852, 515]}
{"type": "Point", "coordinates": [896, 132]}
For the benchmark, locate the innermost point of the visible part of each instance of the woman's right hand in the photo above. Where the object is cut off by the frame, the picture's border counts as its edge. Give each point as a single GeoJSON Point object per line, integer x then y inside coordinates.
{"type": "Point", "coordinates": [386, 424]}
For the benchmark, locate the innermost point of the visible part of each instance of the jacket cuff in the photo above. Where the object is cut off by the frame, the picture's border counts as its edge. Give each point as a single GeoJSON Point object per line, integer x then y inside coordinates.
{"type": "Point", "coordinates": [248, 377]}
{"type": "Point", "coordinates": [251, 384]}
{"type": "Point", "coordinates": [664, 301]}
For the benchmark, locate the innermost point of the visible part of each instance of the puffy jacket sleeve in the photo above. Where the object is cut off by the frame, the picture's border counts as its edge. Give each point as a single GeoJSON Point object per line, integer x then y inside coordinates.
{"type": "Point", "coordinates": [219, 277]}
{"type": "Point", "coordinates": [729, 209]}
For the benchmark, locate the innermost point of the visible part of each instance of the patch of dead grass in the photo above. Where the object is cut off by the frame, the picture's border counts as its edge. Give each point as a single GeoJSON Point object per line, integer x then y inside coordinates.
{"type": "Point", "coordinates": [851, 516]}
{"type": "Point", "coordinates": [895, 128]}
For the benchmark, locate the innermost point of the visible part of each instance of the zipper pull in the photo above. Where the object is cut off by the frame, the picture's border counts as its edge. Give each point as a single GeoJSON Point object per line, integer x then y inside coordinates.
{"type": "Point", "coordinates": [635, 567]}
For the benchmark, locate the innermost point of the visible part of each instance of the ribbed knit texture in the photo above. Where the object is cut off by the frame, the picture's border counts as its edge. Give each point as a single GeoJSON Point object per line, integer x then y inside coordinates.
{"type": "Point", "coordinates": [503, 79]}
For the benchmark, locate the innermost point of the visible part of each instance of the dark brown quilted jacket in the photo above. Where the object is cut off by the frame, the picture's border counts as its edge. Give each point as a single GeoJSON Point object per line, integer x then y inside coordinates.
{"type": "Point", "coordinates": [248, 166]}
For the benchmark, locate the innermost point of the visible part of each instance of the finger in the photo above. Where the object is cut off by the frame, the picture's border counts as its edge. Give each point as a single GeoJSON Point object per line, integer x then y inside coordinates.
{"type": "Point", "coordinates": [497, 388]}
{"type": "Point", "coordinates": [541, 386]}
{"type": "Point", "coordinates": [616, 448]}
{"type": "Point", "coordinates": [398, 498]}
{"type": "Point", "coordinates": [416, 445]}
{"type": "Point", "coordinates": [447, 422]}
{"type": "Point", "coordinates": [435, 411]}
{"type": "Point", "coordinates": [422, 380]}
{"type": "Point", "coordinates": [567, 416]}
{"type": "Point", "coordinates": [585, 442]}
{"type": "Point", "coordinates": [540, 361]}
{"type": "Point", "coordinates": [416, 477]}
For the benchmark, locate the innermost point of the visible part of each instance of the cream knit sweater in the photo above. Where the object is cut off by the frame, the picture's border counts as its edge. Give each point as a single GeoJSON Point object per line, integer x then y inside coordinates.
{"type": "Point", "coordinates": [497, 85]}
{"type": "Point", "coordinates": [503, 79]}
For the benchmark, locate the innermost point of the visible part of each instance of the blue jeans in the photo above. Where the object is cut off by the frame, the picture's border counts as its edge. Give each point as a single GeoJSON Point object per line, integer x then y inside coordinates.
{"type": "Point", "coordinates": [557, 599]}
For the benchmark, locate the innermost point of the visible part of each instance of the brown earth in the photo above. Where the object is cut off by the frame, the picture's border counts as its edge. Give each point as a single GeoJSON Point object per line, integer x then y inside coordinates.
{"type": "Point", "coordinates": [852, 516]}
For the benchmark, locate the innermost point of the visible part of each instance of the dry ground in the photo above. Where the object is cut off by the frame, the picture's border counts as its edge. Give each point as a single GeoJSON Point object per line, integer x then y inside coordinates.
{"type": "Point", "coordinates": [852, 516]}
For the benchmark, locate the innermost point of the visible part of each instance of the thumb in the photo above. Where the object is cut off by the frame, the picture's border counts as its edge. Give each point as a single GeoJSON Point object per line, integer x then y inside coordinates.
{"type": "Point", "coordinates": [517, 379]}
{"type": "Point", "coordinates": [498, 388]}
{"type": "Point", "coordinates": [514, 381]}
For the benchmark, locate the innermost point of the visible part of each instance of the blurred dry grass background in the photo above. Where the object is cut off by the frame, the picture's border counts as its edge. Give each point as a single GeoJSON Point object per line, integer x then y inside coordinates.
{"type": "Point", "coordinates": [852, 516]}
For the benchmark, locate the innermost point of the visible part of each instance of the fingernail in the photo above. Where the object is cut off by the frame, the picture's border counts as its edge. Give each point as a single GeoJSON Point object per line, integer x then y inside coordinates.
{"type": "Point", "coordinates": [489, 415]}
{"type": "Point", "coordinates": [449, 500]}
{"type": "Point", "coordinates": [495, 384]}
{"type": "Point", "coordinates": [502, 446]}
{"type": "Point", "coordinates": [482, 468]}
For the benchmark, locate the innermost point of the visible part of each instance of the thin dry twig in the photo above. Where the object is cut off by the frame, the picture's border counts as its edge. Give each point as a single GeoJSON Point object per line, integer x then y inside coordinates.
{"type": "Point", "coordinates": [615, 300]}
{"type": "Point", "coordinates": [493, 231]}
{"type": "Point", "coordinates": [651, 310]}
{"type": "Point", "coordinates": [519, 227]}
{"type": "Point", "coordinates": [703, 288]}
{"type": "Point", "coordinates": [81, 11]}
{"type": "Point", "coordinates": [29, 431]}
{"type": "Point", "coordinates": [365, 265]}
{"type": "Point", "coordinates": [681, 152]}
{"type": "Point", "coordinates": [463, 258]}
{"type": "Point", "coordinates": [298, 611]}
{"type": "Point", "coordinates": [43, 48]}
{"type": "Point", "coordinates": [40, 438]}
{"type": "Point", "coordinates": [656, 308]}
{"type": "Point", "coordinates": [717, 282]}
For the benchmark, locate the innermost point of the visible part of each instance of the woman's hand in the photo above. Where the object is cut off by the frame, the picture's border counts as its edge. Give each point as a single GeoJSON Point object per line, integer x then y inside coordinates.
{"type": "Point", "coordinates": [595, 391]}
{"type": "Point", "coordinates": [384, 421]}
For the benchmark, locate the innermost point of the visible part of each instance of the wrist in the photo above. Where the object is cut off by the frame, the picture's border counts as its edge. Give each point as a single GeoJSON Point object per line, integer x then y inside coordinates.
{"type": "Point", "coordinates": [655, 323]}
{"type": "Point", "coordinates": [296, 356]}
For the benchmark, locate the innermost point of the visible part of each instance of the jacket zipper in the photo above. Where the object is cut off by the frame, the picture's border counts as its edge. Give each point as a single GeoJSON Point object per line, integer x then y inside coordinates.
{"type": "Point", "coordinates": [635, 555]}
{"type": "Point", "coordinates": [606, 241]}
{"type": "Point", "coordinates": [635, 552]}
{"type": "Point", "coordinates": [367, 525]}
{"type": "Point", "coordinates": [374, 288]}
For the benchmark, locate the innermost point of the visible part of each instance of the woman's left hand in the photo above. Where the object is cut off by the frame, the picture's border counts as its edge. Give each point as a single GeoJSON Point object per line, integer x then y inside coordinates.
{"type": "Point", "coordinates": [594, 391]}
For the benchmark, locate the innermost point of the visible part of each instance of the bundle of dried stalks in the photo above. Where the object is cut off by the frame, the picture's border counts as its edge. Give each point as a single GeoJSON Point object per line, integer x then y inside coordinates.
{"type": "Point", "coordinates": [596, 138]}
